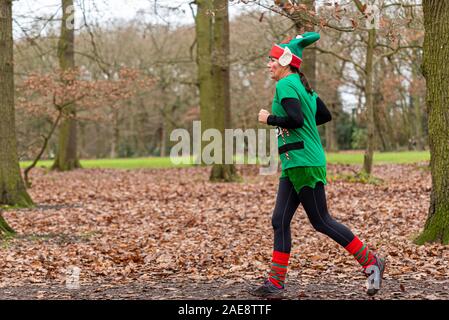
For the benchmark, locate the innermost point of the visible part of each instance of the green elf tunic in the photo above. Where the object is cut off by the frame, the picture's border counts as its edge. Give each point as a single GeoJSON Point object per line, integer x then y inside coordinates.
{"type": "Point", "coordinates": [302, 155]}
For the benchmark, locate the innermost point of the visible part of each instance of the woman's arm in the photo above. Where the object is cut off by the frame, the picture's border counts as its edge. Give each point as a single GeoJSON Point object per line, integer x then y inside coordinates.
{"type": "Point", "coordinates": [295, 118]}
{"type": "Point", "coordinates": [323, 114]}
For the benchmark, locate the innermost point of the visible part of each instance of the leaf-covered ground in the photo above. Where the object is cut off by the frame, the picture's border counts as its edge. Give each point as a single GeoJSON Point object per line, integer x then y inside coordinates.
{"type": "Point", "coordinates": [170, 234]}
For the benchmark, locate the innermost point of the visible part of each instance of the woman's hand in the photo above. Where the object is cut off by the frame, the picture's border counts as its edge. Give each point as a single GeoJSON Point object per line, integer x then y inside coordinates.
{"type": "Point", "coordinates": [263, 116]}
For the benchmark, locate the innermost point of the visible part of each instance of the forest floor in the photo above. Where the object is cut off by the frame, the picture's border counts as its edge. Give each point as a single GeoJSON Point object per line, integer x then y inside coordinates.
{"type": "Point", "coordinates": [171, 234]}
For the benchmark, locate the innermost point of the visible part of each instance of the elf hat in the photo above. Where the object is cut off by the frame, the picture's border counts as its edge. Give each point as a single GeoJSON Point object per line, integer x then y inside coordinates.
{"type": "Point", "coordinates": [291, 53]}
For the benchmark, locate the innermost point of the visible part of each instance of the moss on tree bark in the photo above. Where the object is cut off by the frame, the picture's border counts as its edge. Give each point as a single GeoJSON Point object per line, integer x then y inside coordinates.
{"type": "Point", "coordinates": [436, 72]}
{"type": "Point", "coordinates": [5, 229]}
{"type": "Point", "coordinates": [12, 188]}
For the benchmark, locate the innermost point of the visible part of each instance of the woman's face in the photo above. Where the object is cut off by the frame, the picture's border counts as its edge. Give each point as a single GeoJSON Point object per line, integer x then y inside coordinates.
{"type": "Point", "coordinates": [276, 70]}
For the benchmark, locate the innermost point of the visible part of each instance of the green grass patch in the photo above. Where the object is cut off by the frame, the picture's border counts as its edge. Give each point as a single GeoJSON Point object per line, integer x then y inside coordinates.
{"type": "Point", "coordinates": [130, 163]}
{"type": "Point", "coordinates": [356, 157]}
{"type": "Point", "coordinates": [7, 207]}
{"type": "Point", "coordinates": [360, 177]}
{"type": "Point", "coordinates": [347, 157]}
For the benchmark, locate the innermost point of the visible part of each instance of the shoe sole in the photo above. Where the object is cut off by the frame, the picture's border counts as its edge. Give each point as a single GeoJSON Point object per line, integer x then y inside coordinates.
{"type": "Point", "coordinates": [267, 295]}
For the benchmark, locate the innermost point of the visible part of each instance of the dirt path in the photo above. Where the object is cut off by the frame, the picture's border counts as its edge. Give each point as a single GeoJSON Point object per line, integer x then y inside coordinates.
{"type": "Point", "coordinates": [222, 290]}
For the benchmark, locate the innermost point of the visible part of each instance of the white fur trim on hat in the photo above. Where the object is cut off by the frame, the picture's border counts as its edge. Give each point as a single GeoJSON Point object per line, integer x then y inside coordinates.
{"type": "Point", "coordinates": [286, 57]}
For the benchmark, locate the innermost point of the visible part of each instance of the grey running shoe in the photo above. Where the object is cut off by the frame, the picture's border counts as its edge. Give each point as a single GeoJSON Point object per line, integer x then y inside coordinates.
{"type": "Point", "coordinates": [267, 290]}
{"type": "Point", "coordinates": [373, 288]}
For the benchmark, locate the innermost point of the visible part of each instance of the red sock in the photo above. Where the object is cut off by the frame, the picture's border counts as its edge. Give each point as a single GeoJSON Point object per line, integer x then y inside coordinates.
{"type": "Point", "coordinates": [279, 268]}
{"type": "Point", "coordinates": [361, 253]}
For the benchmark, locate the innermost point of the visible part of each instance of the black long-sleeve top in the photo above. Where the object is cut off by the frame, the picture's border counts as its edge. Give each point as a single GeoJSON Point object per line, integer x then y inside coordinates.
{"type": "Point", "coordinates": [295, 117]}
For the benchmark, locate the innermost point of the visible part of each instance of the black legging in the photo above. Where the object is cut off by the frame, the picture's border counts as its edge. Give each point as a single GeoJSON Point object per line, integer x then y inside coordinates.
{"type": "Point", "coordinates": [314, 203]}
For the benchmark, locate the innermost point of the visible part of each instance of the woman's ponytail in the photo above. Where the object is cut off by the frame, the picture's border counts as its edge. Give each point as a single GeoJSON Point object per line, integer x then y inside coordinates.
{"type": "Point", "coordinates": [303, 78]}
{"type": "Point", "coordinates": [305, 83]}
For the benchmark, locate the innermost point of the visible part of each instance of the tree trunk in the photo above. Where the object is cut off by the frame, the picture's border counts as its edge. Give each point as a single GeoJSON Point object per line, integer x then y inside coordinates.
{"type": "Point", "coordinates": [98, 141]}
{"type": "Point", "coordinates": [368, 158]}
{"type": "Point", "coordinates": [82, 141]}
{"type": "Point", "coordinates": [204, 63]}
{"type": "Point", "coordinates": [213, 49]}
{"type": "Point", "coordinates": [416, 106]}
{"type": "Point", "coordinates": [308, 66]}
{"type": "Point", "coordinates": [67, 157]}
{"type": "Point", "coordinates": [115, 134]}
{"type": "Point", "coordinates": [436, 72]}
{"type": "Point", "coordinates": [417, 112]}
{"type": "Point", "coordinates": [382, 123]}
{"type": "Point", "coordinates": [12, 188]}
{"type": "Point", "coordinates": [5, 229]}
{"type": "Point", "coordinates": [382, 127]}
{"type": "Point", "coordinates": [330, 130]}
{"type": "Point", "coordinates": [163, 138]}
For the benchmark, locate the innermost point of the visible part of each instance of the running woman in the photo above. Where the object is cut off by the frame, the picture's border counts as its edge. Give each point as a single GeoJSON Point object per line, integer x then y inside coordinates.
{"type": "Point", "coordinates": [297, 111]}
